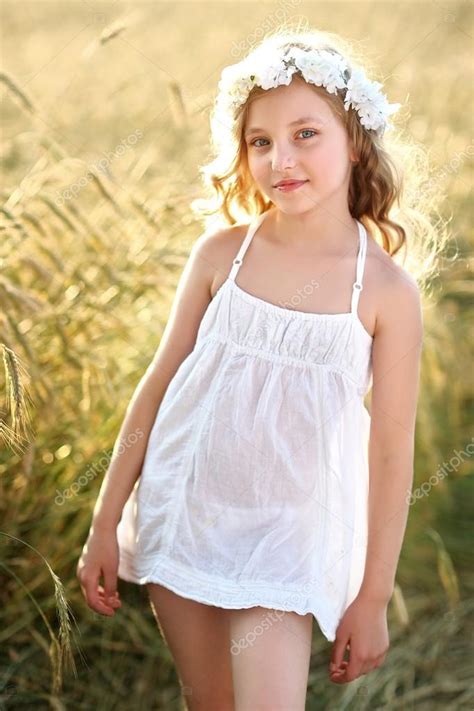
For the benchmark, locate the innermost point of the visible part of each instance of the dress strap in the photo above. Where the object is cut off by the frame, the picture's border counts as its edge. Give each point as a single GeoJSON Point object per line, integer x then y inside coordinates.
{"type": "Point", "coordinates": [253, 227]}
{"type": "Point", "coordinates": [358, 285]}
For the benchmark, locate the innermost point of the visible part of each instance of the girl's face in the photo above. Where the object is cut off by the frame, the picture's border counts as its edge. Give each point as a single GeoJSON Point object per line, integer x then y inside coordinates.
{"type": "Point", "coordinates": [315, 149]}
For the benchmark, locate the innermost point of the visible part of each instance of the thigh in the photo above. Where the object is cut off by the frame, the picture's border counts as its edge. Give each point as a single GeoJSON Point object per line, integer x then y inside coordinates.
{"type": "Point", "coordinates": [271, 652]}
{"type": "Point", "coordinates": [198, 638]}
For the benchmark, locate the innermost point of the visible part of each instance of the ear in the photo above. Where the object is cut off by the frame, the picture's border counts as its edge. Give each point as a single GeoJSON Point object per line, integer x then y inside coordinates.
{"type": "Point", "coordinates": [352, 154]}
{"type": "Point", "coordinates": [353, 157]}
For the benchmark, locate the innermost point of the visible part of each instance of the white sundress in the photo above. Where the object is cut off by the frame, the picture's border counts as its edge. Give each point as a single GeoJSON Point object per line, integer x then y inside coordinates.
{"type": "Point", "coordinates": [254, 485]}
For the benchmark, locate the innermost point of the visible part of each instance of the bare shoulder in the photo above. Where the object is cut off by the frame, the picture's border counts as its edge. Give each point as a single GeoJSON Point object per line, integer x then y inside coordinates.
{"type": "Point", "coordinates": [218, 248]}
{"type": "Point", "coordinates": [396, 293]}
{"type": "Point", "coordinates": [396, 359]}
{"type": "Point", "coordinates": [210, 256]}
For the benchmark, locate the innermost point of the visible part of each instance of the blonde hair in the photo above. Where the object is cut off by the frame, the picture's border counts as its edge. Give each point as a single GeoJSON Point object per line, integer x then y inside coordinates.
{"type": "Point", "coordinates": [390, 189]}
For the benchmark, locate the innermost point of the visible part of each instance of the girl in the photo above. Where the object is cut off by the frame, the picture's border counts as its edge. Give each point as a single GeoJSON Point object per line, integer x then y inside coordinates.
{"type": "Point", "coordinates": [253, 511]}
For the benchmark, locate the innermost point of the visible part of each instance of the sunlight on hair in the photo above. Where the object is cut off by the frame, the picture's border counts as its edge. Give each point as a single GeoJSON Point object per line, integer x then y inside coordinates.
{"type": "Point", "coordinates": [391, 190]}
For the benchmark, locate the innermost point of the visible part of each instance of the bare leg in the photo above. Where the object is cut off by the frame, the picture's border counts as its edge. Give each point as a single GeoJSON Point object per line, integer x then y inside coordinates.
{"type": "Point", "coordinates": [271, 652]}
{"type": "Point", "coordinates": [198, 638]}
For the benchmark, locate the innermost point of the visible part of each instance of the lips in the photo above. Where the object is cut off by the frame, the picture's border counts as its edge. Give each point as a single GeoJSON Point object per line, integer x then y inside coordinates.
{"type": "Point", "coordinates": [288, 182]}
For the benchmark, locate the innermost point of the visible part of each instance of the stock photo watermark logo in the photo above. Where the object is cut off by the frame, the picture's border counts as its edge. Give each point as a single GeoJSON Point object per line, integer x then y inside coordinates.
{"type": "Point", "coordinates": [443, 470]}
{"type": "Point", "coordinates": [452, 166]}
{"type": "Point", "coordinates": [270, 22]}
{"type": "Point", "coordinates": [297, 300]}
{"type": "Point", "coordinates": [97, 468]}
{"type": "Point", "coordinates": [102, 165]}
{"type": "Point", "coordinates": [260, 333]}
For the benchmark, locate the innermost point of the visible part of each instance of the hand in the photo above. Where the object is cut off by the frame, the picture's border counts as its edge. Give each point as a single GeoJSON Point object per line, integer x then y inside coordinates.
{"type": "Point", "coordinates": [363, 631]}
{"type": "Point", "coordinates": [100, 556]}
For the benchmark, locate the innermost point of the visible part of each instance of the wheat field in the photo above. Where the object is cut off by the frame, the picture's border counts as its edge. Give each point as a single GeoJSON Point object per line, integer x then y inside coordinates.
{"type": "Point", "coordinates": [104, 126]}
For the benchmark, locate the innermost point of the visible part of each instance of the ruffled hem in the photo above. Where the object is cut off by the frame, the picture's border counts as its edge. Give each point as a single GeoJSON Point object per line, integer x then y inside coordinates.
{"type": "Point", "coordinates": [212, 590]}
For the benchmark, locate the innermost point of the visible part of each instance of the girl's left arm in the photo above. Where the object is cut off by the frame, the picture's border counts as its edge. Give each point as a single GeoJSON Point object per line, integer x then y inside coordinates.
{"type": "Point", "coordinates": [396, 359]}
{"type": "Point", "coordinates": [396, 355]}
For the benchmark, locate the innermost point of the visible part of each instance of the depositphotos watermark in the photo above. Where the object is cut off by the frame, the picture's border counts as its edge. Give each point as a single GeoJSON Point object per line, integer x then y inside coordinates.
{"type": "Point", "coordinates": [75, 188]}
{"type": "Point", "coordinates": [267, 621]}
{"type": "Point", "coordinates": [277, 17]}
{"type": "Point", "coordinates": [455, 163]}
{"type": "Point", "coordinates": [97, 468]}
{"type": "Point", "coordinates": [443, 470]}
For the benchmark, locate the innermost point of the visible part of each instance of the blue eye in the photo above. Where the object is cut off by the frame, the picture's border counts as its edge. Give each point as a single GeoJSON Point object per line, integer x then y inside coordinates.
{"type": "Point", "coordinates": [254, 142]}
{"type": "Point", "coordinates": [304, 130]}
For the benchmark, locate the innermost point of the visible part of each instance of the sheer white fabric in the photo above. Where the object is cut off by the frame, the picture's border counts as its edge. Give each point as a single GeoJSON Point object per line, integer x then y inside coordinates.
{"type": "Point", "coordinates": [254, 487]}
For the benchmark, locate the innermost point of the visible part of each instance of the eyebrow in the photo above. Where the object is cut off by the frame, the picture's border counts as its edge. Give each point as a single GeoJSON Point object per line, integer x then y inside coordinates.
{"type": "Point", "coordinates": [303, 119]}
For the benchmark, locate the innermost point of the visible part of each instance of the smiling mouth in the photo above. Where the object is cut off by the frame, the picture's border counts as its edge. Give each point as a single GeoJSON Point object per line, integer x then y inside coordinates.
{"type": "Point", "coordinates": [290, 186]}
{"type": "Point", "coordinates": [282, 184]}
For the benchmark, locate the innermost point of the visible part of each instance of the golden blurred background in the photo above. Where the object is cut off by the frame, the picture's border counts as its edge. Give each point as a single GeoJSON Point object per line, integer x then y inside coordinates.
{"type": "Point", "coordinates": [104, 124]}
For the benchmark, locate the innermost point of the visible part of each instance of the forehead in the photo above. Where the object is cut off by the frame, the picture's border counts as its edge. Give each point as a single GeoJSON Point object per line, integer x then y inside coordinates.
{"type": "Point", "coordinates": [287, 103]}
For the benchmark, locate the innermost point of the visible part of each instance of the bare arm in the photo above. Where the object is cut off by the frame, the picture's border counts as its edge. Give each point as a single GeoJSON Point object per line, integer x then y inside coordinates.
{"type": "Point", "coordinates": [396, 355]}
{"type": "Point", "coordinates": [100, 554]}
{"type": "Point", "coordinates": [396, 361]}
{"type": "Point", "coordinates": [191, 300]}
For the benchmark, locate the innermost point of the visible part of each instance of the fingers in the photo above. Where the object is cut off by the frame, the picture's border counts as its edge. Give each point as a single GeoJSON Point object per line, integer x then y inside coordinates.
{"type": "Point", "coordinates": [96, 600]}
{"type": "Point", "coordinates": [111, 594]}
{"type": "Point", "coordinates": [336, 675]}
{"type": "Point", "coordinates": [339, 647]}
{"type": "Point", "coordinates": [111, 599]}
{"type": "Point", "coordinates": [347, 670]}
{"type": "Point", "coordinates": [351, 670]}
{"type": "Point", "coordinates": [354, 668]}
{"type": "Point", "coordinates": [95, 596]}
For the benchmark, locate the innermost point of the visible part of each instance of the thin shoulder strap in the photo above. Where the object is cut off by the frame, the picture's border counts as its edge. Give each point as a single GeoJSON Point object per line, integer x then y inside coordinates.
{"type": "Point", "coordinates": [358, 284]}
{"type": "Point", "coordinates": [253, 227]}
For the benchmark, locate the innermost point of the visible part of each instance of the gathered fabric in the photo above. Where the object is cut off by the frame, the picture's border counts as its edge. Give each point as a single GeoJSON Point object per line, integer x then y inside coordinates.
{"type": "Point", "coordinates": [254, 485]}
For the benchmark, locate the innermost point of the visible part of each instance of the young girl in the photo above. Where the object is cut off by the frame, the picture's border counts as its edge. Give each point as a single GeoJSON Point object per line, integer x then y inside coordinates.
{"type": "Point", "coordinates": [267, 495]}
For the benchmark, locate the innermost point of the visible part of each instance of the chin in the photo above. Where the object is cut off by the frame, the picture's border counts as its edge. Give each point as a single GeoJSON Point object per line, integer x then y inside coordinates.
{"type": "Point", "coordinates": [292, 209]}
{"type": "Point", "coordinates": [297, 202]}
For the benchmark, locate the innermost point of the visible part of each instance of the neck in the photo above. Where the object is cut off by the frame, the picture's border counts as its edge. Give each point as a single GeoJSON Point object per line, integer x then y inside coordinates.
{"type": "Point", "coordinates": [316, 225]}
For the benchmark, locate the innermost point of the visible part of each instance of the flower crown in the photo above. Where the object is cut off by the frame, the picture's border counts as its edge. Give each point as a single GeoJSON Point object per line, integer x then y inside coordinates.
{"type": "Point", "coordinates": [318, 66]}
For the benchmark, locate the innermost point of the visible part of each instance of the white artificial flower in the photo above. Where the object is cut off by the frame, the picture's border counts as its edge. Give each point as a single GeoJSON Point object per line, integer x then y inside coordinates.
{"type": "Point", "coordinates": [268, 69]}
{"type": "Point", "coordinates": [360, 89]}
{"type": "Point", "coordinates": [274, 75]}
{"type": "Point", "coordinates": [325, 69]}
{"type": "Point", "coordinates": [365, 96]}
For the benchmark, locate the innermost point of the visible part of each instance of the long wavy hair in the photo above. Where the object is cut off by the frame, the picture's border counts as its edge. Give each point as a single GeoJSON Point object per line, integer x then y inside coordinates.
{"type": "Point", "coordinates": [390, 190]}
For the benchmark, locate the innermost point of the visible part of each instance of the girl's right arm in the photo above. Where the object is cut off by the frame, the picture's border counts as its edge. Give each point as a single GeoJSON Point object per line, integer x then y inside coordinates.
{"type": "Point", "coordinates": [100, 555]}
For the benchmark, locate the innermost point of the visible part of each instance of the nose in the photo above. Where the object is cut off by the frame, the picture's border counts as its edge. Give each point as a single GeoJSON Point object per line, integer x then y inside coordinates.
{"type": "Point", "coordinates": [282, 158]}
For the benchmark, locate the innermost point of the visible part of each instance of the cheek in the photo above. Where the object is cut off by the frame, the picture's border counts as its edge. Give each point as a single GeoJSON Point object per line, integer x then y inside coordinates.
{"type": "Point", "coordinates": [327, 159]}
{"type": "Point", "coordinates": [258, 165]}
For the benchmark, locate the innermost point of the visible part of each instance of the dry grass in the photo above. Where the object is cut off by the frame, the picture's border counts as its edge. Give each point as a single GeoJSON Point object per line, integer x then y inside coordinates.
{"type": "Point", "coordinates": [85, 289]}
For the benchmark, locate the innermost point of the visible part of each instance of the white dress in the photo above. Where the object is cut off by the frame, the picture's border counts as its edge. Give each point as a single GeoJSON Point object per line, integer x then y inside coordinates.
{"type": "Point", "coordinates": [254, 486]}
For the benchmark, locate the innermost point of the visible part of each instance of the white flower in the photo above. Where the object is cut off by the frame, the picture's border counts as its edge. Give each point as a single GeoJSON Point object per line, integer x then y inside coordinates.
{"type": "Point", "coordinates": [324, 69]}
{"type": "Point", "coordinates": [360, 89]}
{"type": "Point", "coordinates": [365, 96]}
{"type": "Point", "coordinates": [268, 69]}
{"type": "Point", "coordinates": [275, 75]}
